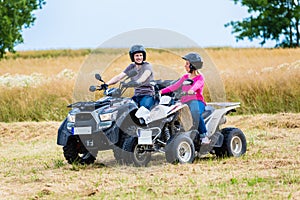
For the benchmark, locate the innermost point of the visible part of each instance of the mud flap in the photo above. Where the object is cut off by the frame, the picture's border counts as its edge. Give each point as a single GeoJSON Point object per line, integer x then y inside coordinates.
{"type": "Point", "coordinates": [63, 134]}
{"type": "Point", "coordinates": [192, 134]}
{"type": "Point", "coordinates": [112, 134]}
{"type": "Point", "coordinates": [216, 140]}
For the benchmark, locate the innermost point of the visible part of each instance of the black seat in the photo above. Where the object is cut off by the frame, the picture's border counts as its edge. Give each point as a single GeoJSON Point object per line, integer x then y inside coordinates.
{"type": "Point", "coordinates": [208, 111]}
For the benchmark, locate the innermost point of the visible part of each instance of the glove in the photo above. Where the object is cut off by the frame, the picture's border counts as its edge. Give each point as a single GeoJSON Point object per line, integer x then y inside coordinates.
{"type": "Point", "coordinates": [104, 86]}
{"type": "Point", "coordinates": [131, 84]}
{"type": "Point", "coordinates": [191, 92]}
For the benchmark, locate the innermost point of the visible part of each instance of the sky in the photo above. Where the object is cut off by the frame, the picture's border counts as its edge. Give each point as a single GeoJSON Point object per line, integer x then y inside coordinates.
{"type": "Point", "coordinates": [75, 24]}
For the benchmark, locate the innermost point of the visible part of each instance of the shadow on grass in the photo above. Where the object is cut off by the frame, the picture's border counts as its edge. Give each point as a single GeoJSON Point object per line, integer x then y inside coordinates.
{"type": "Point", "coordinates": [158, 159]}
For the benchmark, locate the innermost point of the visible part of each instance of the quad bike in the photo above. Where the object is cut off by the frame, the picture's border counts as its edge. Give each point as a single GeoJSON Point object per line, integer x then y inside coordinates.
{"type": "Point", "coordinates": [224, 142]}
{"type": "Point", "coordinates": [157, 127]}
{"type": "Point", "coordinates": [97, 125]}
{"type": "Point", "coordinates": [168, 128]}
{"type": "Point", "coordinates": [115, 122]}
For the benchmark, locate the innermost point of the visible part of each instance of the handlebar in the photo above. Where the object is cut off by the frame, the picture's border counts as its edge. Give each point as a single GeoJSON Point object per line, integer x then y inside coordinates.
{"type": "Point", "coordinates": [157, 84]}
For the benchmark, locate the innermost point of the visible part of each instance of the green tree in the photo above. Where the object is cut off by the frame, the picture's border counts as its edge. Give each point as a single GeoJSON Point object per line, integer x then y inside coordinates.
{"type": "Point", "coordinates": [269, 20]}
{"type": "Point", "coordinates": [15, 15]}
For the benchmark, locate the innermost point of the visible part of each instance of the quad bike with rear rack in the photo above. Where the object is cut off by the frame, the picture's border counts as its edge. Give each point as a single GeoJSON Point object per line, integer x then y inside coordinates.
{"type": "Point", "coordinates": [168, 128]}
{"type": "Point", "coordinates": [224, 142]}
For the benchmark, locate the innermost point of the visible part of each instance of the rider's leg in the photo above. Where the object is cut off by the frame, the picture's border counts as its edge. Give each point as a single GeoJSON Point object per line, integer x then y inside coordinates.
{"type": "Point", "coordinates": [194, 108]}
{"type": "Point", "coordinates": [197, 108]}
{"type": "Point", "coordinates": [137, 100]}
{"type": "Point", "coordinates": [147, 101]}
{"type": "Point", "coordinates": [202, 126]}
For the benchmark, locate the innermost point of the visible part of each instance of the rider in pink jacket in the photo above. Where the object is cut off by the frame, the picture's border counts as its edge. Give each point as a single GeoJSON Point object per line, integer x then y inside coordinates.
{"type": "Point", "coordinates": [196, 87]}
{"type": "Point", "coordinates": [194, 92]}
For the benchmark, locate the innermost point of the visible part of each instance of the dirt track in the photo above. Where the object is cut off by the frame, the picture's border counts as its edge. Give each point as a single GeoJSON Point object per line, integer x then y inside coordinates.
{"type": "Point", "coordinates": [33, 167]}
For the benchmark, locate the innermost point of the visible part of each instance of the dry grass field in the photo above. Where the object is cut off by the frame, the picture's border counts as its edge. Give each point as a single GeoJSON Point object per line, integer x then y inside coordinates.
{"type": "Point", "coordinates": [33, 167]}
{"type": "Point", "coordinates": [35, 88]}
{"type": "Point", "coordinates": [263, 80]}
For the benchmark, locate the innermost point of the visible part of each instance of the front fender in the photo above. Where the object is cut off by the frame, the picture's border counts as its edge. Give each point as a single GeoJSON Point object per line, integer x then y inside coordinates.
{"type": "Point", "coordinates": [184, 116]}
{"type": "Point", "coordinates": [125, 113]}
{"type": "Point", "coordinates": [63, 134]}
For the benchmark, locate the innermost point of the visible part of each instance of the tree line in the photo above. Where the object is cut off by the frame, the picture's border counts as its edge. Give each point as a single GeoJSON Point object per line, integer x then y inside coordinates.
{"type": "Point", "coordinates": [269, 20]}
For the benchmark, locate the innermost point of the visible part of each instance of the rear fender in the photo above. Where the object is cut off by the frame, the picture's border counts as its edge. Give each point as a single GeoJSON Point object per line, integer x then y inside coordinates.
{"type": "Point", "coordinates": [214, 120]}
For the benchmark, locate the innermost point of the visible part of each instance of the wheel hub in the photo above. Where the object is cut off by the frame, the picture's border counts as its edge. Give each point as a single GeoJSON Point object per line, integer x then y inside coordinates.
{"type": "Point", "coordinates": [236, 145]}
{"type": "Point", "coordinates": [184, 151]}
{"type": "Point", "coordinates": [140, 153]}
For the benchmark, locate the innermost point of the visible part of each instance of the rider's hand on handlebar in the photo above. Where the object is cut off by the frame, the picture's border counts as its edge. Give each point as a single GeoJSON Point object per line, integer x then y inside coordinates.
{"type": "Point", "coordinates": [190, 92]}
{"type": "Point", "coordinates": [131, 84]}
{"type": "Point", "coordinates": [104, 86]}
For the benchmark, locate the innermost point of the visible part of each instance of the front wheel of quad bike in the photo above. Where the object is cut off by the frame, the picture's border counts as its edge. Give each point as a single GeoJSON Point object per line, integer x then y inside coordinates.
{"type": "Point", "coordinates": [118, 154]}
{"type": "Point", "coordinates": [180, 150]}
{"type": "Point", "coordinates": [74, 153]}
{"type": "Point", "coordinates": [134, 153]}
{"type": "Point", "coordinates": [118, 151]}
{"type": "Point", "coordinates": [234, 144]}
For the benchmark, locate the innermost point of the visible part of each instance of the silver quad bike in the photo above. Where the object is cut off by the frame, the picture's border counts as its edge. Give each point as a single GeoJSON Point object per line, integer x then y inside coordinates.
{"type": "Point", "coordinates": [95, 126]}
{"type": "Point", "coordinates": [168, 128]}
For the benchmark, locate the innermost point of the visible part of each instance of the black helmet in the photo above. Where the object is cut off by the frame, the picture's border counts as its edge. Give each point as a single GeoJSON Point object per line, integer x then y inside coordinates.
{"type": "Point", "coordinates": [137, 49]}
{"type": "Point", "coordinates": [194, 59]}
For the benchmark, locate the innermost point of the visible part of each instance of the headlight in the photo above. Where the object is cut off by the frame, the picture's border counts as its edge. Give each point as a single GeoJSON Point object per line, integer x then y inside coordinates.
{"type": "Point", "coordinates": [71, 118]}
{"type": "Point", "coordinates": [108, 116]}
{"type": "Point", "coordinates": [105, 125]}
{"type": "Point", "coordinates": [71, 115]}
{"type": "Point", "coordinates": [70, 126]}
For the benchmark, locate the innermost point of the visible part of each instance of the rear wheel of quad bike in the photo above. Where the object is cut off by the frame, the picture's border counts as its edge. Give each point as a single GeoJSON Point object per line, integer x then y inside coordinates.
{"type": "Point", "coordinates": [134, 153]}
{"type": "Point", "coordinates": [234, 144]}
{"type": "Point", "coordinates": [74, 154]}
{"type": "Point", "coordinates": [180, 150]}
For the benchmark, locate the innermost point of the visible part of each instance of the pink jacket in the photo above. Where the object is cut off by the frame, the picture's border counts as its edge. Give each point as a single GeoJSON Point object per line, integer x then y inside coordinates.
{"type": "Point", "coordinates": [197, 87]}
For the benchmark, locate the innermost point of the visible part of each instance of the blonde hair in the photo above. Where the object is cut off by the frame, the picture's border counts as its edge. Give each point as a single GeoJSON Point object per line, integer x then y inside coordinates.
{"type": "Point", "coordinates": [197, 72]}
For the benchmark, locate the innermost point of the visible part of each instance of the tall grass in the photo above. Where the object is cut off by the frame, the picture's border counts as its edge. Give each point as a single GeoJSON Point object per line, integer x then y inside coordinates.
{"type": "Point", "coordinates": [269, 90]}
{"type": "Point", "coordinates": [263, 80]}
{"type": "Point", "coordinates": [43, 103]}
